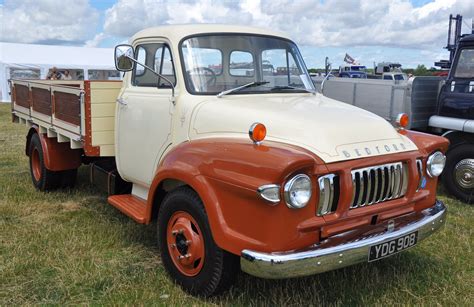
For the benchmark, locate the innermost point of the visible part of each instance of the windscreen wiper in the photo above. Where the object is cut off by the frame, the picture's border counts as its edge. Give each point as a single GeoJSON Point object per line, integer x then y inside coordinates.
{"type": "Point", "coordinates": [238, 88]}
{"type": "Point", "coordinates": [289, 87]}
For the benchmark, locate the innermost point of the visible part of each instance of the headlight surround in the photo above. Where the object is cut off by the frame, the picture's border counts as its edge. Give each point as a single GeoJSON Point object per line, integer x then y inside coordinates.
{"type": "Point", "coordinates": [298, 191]}
{"type": "Point", "coordinates": [435, 164]}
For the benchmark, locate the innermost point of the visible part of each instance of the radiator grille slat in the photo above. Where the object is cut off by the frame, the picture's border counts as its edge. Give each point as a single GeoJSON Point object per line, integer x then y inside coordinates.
{"type": "Point", "coordinates": [375, 184]}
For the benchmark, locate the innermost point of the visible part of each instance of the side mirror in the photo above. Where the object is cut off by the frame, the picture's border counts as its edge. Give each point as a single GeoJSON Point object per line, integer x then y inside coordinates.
{"type": "Point", "coordinates": [124, 57]}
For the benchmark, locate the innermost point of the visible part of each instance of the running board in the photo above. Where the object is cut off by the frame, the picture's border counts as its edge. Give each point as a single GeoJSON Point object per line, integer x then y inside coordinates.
{"type": "Point", "coordinates": [131, 206]}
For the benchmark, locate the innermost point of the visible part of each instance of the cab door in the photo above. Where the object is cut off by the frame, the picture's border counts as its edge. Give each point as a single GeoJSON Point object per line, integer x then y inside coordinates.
{"type": "Point", "coordinates": [144, 115]}
{"type": "Point", "coordinates": [457, 95]}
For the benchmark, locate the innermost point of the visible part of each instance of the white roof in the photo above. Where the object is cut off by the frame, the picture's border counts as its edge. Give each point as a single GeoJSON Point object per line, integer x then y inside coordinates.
{"type": "Point", "coordinates": [177, 32]}
{"type": "Point", "coordinates": [59, 56]}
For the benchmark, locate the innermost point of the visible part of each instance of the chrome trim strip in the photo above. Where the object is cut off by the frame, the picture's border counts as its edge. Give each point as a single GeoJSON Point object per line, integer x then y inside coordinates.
{"type": "Point", "coordinates": [262, 189]}
{"type": "Point", "coordinates": [314, 259]}
{"type": "Point", "coordinates": [419, 167]}
{"type": "Point", "coordinates": [326, 194]}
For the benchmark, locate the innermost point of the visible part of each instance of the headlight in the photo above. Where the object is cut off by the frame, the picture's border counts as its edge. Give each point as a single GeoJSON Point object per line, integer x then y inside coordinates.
{"type": "Point", "coordinates": [435, 164]}
{"type": "Point", "coordinates": [298, 191]}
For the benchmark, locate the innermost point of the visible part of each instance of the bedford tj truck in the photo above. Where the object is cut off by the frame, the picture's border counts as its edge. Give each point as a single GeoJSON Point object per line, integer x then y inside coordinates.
{"type": "Point", "coordinates": [240, 166]}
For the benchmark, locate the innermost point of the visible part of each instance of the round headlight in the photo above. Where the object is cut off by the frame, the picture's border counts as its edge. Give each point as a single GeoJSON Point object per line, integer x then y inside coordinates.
{"type": "Point", "coordinates": [298, 191]}
{"type": "Point", "coordinates": [435, 164]}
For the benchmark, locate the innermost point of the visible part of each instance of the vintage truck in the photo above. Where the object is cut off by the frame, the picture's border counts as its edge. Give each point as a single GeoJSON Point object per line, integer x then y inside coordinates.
{"type": "Point", "coordinates": [240, 166]}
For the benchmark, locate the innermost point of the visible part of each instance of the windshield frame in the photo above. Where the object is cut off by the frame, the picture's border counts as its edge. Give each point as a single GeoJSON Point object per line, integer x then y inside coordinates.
{"type": "Point", "coordinates": [183, 68]}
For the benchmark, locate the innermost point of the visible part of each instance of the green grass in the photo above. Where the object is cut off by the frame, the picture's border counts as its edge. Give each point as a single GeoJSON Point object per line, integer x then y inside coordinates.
{"type": "Point", "coordinates": [72, 247]}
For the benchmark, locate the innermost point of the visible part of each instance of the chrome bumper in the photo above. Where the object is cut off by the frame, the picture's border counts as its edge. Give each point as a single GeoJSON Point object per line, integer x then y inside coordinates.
{"type": "Point", "coordinates": [317, 259]}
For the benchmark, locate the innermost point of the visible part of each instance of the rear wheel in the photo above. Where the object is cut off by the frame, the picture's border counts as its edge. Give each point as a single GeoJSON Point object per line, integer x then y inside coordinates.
{"type": "Point", "coordinates": [43, 179]}
{"type": "Point", "coordinates": [188, 251]}
{"type": "Point", "coordinates": [458, 177]}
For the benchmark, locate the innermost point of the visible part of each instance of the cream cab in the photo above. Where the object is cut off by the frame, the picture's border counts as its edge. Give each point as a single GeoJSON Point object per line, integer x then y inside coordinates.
{"type": "Point", "coordinates": [197, 64]}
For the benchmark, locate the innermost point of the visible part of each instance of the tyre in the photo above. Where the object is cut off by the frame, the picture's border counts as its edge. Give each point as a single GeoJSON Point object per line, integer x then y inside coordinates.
{"type": "Point", "coordinates": [188, 251]}
{"type": "Point", "coordinates": [43, 179]}
{"type": "Point", "coordinates": [458, 176]}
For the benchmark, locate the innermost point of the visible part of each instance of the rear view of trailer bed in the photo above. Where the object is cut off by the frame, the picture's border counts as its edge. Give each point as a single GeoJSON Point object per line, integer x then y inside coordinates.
{"type": "Point", "coordinates": [79, 112]}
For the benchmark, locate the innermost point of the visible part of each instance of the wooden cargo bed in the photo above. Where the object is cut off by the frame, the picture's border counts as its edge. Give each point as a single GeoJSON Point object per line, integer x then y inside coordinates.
{"type": "Point", "coordinates": [79, 112]}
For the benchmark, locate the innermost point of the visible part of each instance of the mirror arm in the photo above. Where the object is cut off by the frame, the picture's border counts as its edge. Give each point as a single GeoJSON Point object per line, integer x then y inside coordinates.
{"type": "Point", "coordinates": [157, 74]}
{"type": "Point", "coordinates": [324, 80]}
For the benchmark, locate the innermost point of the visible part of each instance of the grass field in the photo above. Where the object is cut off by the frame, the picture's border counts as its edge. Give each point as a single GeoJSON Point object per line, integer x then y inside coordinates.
{"type": "Point", "coordinates": [72, 247]}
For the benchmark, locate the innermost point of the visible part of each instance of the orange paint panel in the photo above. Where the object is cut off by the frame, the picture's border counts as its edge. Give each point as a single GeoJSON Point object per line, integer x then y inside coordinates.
{"type": "Point", "coordinates": [59, 156]}
{"type": "Point", "coordinates": [89, 149]}
{"type": "Point", "coordinates": [227, 172]}
{"type": "Point", "coordinates": [130, 205]}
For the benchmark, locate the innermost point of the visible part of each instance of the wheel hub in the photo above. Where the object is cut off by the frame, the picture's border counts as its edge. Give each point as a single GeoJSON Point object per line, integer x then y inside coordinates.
{"type": "Point", "coordinates": [464, 173]}
{"type": "Point", "coordinates": [36, 164]}
{"type": "Point", "coordinates": [185, 243]}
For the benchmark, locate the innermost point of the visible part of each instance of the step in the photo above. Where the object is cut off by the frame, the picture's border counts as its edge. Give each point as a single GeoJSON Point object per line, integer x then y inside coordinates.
{"type": "Point", "coordinates": [131, 206]}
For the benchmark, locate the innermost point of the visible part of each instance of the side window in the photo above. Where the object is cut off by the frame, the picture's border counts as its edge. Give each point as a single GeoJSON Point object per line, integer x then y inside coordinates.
{"type": "Point", "coordinates": [158, 56]}
{"type": "Point", "coordinates": [387, 77]}
{"type": "Point", "coordinates": [241, 64]}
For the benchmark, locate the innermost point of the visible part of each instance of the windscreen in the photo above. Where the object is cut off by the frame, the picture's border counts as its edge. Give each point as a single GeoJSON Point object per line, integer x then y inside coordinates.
{"type": "Point", "coordinates": [465, 64]}
{"type": "Point", "coordinates": [215, 63]}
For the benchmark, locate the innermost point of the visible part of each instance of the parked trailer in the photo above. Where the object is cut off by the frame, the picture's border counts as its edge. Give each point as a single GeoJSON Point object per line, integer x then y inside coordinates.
{"type": "Point", "coordinates": [416, 97]}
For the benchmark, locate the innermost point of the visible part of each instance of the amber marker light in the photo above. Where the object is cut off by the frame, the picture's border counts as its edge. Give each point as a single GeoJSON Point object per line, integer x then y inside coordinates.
{"type": "Point", "coordinates": [257, 132]}
{"type": "Point", "coordinates": [402, 120]}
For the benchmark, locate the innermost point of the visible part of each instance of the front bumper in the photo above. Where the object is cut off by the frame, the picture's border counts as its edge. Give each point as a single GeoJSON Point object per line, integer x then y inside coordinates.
{"type": "Point", "coordinates": [317, 259]}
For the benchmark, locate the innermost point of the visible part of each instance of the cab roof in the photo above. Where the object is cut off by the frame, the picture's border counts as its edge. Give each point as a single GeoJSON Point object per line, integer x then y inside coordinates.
{"type": "Point", "coordinates": [467, 38]}
{"type": "Point", "coordinates": [176, 33]}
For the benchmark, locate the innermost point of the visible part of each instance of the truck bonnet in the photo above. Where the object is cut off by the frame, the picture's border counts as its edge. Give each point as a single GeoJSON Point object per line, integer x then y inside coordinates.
{"type": "Point", "coordinates": [334, 131]}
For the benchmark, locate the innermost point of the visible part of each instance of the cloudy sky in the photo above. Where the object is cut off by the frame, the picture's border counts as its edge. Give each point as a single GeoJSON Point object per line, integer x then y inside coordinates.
{"type": "Point", "coordinates": [407, 31]}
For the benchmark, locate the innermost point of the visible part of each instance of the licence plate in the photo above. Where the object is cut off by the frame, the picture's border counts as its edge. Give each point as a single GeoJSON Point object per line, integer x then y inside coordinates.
{"type": "Point", "coordinates": [391, 247]}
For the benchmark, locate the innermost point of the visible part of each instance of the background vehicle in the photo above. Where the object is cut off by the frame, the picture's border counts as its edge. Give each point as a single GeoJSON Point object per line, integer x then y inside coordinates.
{"type": "Point", "coordinates": [352, 71]}
{"type": "Point", "coordinates": [241, 165]}
{"type": "Point", "coordinates": [435, 105]}
{"type": "Point", "coordinates": [394, 76]}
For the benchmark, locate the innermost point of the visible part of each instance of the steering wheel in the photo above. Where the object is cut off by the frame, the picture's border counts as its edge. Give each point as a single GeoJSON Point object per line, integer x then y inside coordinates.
{"type": "Point", "coordinates": [212, 77]}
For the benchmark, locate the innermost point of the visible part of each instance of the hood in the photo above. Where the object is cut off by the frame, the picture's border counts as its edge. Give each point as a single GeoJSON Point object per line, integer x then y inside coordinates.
{"type": "Point", "coordinates": [333, 130]}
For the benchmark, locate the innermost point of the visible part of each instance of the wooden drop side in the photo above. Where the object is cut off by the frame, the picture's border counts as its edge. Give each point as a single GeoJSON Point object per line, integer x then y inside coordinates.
{"type": "Point", "coordinates": [79, 112]}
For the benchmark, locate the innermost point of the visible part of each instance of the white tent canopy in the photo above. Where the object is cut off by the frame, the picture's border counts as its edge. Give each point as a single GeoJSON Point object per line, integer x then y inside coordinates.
{"type": "Point", "coordinates": [38, 59]}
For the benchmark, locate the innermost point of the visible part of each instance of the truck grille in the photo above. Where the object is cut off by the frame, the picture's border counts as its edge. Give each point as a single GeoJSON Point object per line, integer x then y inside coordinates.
{"type": "Point", "coordinates": [375, 184]}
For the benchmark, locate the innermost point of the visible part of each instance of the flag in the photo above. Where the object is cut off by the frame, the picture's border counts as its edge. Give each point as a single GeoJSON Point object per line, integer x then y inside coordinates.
{"type": "Point", "coordinates": [348, 59]}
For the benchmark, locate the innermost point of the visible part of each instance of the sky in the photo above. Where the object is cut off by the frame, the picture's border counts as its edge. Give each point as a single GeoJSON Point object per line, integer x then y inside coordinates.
{"type": "Point", "coordinates": [410, 32]}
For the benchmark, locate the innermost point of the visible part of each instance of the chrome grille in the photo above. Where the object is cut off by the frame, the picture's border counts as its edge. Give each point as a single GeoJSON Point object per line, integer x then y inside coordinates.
{"type": "Point", "coordinates": [375, 184]}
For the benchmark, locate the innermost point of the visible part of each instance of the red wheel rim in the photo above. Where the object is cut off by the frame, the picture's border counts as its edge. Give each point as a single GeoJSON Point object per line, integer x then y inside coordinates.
{"type": "Point", "coordinates": [185, 243]}
{"type": "Point", "coordinates": [35, 164]}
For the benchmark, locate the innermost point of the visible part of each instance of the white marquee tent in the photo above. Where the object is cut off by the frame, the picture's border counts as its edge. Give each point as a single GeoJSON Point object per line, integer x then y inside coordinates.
{"type": "Point", "coordinates": [27, 61]}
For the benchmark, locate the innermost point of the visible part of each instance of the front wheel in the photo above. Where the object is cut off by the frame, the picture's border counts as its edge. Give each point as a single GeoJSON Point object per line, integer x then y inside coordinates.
{"type": "Point", "coordinates": [188, 251]}
{"type": "Point", "coordinates": [458, 177]}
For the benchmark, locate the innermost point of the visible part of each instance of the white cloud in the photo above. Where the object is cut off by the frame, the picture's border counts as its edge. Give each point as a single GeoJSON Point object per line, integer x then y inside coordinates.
{"type": "Point", "coordinates": [310, 22]}
{"type": "Point", "coordinates": [47, 21]}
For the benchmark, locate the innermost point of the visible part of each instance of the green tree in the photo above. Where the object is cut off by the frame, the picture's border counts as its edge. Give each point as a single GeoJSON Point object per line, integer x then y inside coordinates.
{"type": "Point", "coordinates": [421, 70]}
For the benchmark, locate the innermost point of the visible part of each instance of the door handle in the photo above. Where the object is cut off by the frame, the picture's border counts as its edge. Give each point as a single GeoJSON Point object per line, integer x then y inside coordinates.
{"type": "Point", "coordinates": [122, 101]}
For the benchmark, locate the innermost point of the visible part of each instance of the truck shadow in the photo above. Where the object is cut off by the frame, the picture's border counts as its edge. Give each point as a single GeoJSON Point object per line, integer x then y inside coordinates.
{"type": "Point", "coordinates": [354, 285]}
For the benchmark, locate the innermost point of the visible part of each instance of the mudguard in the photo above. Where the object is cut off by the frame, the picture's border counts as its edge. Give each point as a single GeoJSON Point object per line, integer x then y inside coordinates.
{"type": "Point", "coordinates": [226, 174]}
